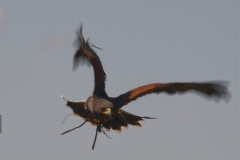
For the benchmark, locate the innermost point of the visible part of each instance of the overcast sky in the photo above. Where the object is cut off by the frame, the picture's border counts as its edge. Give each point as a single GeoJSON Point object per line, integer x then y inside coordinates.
{"type": "Point", "coordinates": [143, 42]}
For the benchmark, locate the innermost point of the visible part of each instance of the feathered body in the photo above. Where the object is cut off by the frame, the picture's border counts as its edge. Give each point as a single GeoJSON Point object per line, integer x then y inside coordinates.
{"type": "Point", "coordinates": [104, 111]}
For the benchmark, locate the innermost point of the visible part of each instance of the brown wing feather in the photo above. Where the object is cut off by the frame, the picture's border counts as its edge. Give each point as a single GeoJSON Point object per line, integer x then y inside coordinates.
{"type": "Point", "coordinates": [77, 107]}
{"type": "Point", "coordinates": [86, 53]}
{"type": "Point", "coordinates": [216, 90]}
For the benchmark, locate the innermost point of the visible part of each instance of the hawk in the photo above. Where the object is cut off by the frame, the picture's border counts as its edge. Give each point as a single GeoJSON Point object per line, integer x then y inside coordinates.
{"type": "Point", "coordinates": [105, 112]}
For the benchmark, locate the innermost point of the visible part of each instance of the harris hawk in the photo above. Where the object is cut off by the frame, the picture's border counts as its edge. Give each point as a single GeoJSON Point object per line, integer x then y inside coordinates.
{"type": "Point", "coordinates": [105, 112]}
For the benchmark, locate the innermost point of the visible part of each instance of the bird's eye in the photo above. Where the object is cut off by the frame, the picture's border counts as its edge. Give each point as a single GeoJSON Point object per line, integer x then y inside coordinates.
{"type": "Point", "coordinates": [104, 109]}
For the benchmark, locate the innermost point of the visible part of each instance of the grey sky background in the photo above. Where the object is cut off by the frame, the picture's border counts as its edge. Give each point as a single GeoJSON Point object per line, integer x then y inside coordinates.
{"type": "Point", "coordinates": [144, 42]}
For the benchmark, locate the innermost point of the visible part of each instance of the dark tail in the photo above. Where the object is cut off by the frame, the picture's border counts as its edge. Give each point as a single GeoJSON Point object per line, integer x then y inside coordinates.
{"type": "Point", "coordinates": [122, 120]}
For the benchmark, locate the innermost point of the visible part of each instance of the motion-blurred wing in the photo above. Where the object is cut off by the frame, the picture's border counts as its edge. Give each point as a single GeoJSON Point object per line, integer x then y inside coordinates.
{"type": "Point", "coordinates": [86, 54]}
{"type": "Point", "coordinates": [77, 107]}
{"type": "Point", "coordinates": [215, 90]}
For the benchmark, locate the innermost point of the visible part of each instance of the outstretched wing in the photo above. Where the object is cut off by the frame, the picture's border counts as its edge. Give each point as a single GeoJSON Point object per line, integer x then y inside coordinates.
{"type": "Point", "coordinates": [77, 107]}
{"type": "Point", "coordinates": [215, 90]}
{"type": "Point", "coordinates": [86, 54]}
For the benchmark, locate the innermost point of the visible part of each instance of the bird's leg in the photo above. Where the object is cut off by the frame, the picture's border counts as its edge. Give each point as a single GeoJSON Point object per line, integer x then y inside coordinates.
{"type": "Point", "coordinates": [105, 133]}
{"type": "Point", "coordinates": [74, 128]}
{"type": "Point", "coordinates": [98, 129]}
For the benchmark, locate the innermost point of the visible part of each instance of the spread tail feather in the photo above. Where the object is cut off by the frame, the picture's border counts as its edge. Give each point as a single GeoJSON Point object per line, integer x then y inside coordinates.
{"type": "Point", "coordinates": [122, 120]}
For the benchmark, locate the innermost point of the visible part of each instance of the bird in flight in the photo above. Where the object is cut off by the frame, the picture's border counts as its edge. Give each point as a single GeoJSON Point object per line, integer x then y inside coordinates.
{"type": "Point", "coordinates": [105, 112]}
